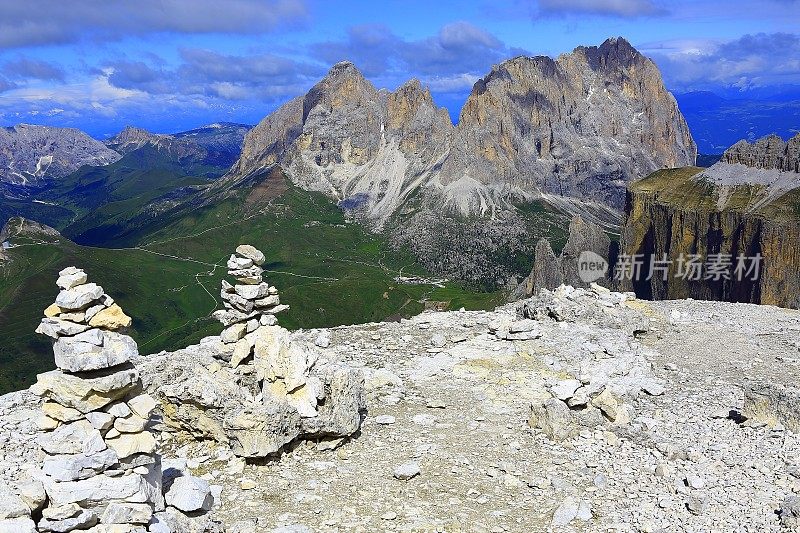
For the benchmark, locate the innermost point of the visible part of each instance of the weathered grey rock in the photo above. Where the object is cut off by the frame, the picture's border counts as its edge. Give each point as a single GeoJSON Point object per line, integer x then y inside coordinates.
{"type": "Point", "coordinates": [83, 520]}
{"type": "Point", "coordinates": [252, 292]}
{"type": "Point", "coordinates": [407, 471]}
{"type": "Point", "coordinates": [11, 505]}
{"type": "Point", "coordinates": [79, 297]}
{"type": "Point", "coordinates": [55, 328]}
{"type": "Point", "coordinates": [102, 489]}
{"type": "Point", "coordinates": [32, 493]}
{"type": "Point", "coordinates": [22, 524]}
{"type": "Point", "coordinates": [250, 252]}
{"type": "Point", "coordinates": [770, 404]}
{"type": "Point", "coordinates": [82, 353]}
{"type": "Point", "coordinates": [262, 430]}
{"type": "Point", "coordinates": [233, 333]}
{"type": "Point", "coordinates": [790, 512]}
{"type": "Point", "coordinates": [88, 392]}
{"type": "Point", "coordinates": [127, 513]}
{"type": "Point", "coordinates": [229, 317]}
{"type": "Point", "coordinates": [73, 438]}
{"type": "Point", "coordinates": [190, 494]}
{"type": "Point", "coordinates": [553, 418]}
{"type": "Point", "coordinates": [71, 277]}
{"type": "Point", "coordinates": [79, 466]}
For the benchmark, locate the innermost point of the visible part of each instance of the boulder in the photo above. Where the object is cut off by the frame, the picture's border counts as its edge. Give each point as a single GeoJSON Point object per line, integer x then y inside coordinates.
{"type": "Point", "coordinates": [11, 505]}
{"type": "Point", "coordinates": [251, 253]}
{"type": "Point", "coordinates": [190, 494]}
{"type": "Point", "coordinates": [88, 392]}
{"type": "Point", "coordinates": [79, 297]}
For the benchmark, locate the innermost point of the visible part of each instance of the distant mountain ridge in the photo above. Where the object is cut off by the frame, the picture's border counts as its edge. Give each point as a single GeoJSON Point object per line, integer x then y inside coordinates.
{"type": "Point", "coordinates": [30, 155]}
{"type": "Point", "coordinates": [218, 144]}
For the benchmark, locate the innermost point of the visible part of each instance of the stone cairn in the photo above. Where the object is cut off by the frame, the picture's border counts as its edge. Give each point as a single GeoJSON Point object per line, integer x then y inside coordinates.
{"type": "Point", "coordinates": [101, 469]}
{"type": "Point", "coordinates": [249, 304]}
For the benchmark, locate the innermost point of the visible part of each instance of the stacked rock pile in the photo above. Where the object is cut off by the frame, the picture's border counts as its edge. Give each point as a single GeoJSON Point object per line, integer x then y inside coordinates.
{"type": "Point", "coordinates": [249, 304]}
{"type": "Point", "coordinates": [101, 468]}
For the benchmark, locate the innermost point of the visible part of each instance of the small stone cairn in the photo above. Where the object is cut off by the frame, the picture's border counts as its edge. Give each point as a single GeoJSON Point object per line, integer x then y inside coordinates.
{"type": "Point", "coordinates": [101, 468]}
{"type": "Point", "coordinates": [249, 304]}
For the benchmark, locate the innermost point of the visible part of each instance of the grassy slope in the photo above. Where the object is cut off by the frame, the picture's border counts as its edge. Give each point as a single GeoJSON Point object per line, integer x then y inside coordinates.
{"type": "Point", "coordinates": [303, 235]}
{"type": "Point", "coordinates": [675, 187]}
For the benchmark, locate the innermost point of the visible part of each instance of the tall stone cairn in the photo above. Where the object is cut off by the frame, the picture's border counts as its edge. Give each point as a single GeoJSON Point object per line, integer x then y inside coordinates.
{"type": "Point", "coordinates": [101, 468]}
{"type": "Point", "coordinates": [249, 304]}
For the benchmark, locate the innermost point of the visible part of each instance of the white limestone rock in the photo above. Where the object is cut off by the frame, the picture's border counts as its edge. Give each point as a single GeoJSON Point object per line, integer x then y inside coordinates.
{"type": "Point", "coordinates": [82, 353]}
{"type": "Point", "coordinates": [88, 392]}
{"type": "Point", "coordinates": [79, 297]}
{"type": "Point", "coordinates": [73, 438]}
{"type": "Point", "coordinates": [56, 327]}
{"type": "Point", "coordinates": [251, 253]}
{"type": "Point", "coordinates": [71, 277]}
{"type": "Point", "coordinates": [79, 466]}
{"type": "Point", "coordinates": [190, 494]}
{"type": "Point", "coordinates": [127, 513]}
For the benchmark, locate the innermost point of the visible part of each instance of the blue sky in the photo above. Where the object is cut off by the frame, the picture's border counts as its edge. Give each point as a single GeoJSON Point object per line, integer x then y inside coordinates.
{"type": "Point", "coordinates": [170, 65]}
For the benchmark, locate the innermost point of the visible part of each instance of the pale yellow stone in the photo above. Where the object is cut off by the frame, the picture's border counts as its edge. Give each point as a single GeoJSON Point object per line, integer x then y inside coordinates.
{"type": "Point", "coordinates": [45, 423]}
{"type": "Point", "coordinates": [111, 318]}
{"type": "Point", "coordinates": [59, 412]}
{"type": "Point", "coordinates": [52, 310]}
{"type": "Point", "coordinates": [128, 444]}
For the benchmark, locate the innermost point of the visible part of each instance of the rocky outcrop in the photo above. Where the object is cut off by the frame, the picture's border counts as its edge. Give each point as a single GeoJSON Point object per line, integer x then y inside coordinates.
{"type": "Point", "coordinates": [770, 152]}
{"type": "Point", "coordinates": [587, 243]}
{"type": "Point", "coordinates": [32, 155]}
{"type": "Point", "coordinates": [741, 213]}
{"type": "Point", "coordinates": [272, 389]}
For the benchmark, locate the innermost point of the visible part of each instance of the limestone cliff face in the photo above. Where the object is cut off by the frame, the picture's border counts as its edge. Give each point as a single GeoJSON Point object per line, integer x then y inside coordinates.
{"type": "Point", "coordinates": [582, 125]}
{"type": "Point", "coordinates": [567, 133]}
{"type": "Point", "coordinates": [731, 209]}
{"type": "Point", "coordinates": [578, 126]}
{"type": "Point", "coordinates": [770, 152]}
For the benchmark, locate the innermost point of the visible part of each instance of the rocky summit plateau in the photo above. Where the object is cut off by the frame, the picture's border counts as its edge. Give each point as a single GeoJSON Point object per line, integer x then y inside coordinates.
{"type": "Point", "coordinates": [577, 409]}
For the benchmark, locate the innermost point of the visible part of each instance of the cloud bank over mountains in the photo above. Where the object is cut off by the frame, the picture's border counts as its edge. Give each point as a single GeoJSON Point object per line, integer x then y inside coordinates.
{"type": "Point", "coordinates": [179, 63]}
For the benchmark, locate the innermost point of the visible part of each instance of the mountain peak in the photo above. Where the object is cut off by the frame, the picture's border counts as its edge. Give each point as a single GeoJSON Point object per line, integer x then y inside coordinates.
{"type": "Point", "coordinates": [344, 69]}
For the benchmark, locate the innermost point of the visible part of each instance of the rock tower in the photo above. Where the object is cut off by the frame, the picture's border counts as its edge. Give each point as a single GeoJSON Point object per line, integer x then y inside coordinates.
{"type": "Point", "coordinates": [249, 304]}
{"type": "Point", "coordinates": [101, 465]}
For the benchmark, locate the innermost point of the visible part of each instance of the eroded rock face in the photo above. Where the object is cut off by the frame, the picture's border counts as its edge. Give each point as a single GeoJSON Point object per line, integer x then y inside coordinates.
{"type": "Point", "coordinates": [586, 242]}
{"type": "Point", "coordinates": [580, 125]}
{"type": "Point", "coordinates": [745, 206]}
{"type": "Point", "coordinates": [566, 131]}
{"type": "Point", "coordinates": [770, 152]}
{"type": "Point", "coordinates": [30, 155]}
